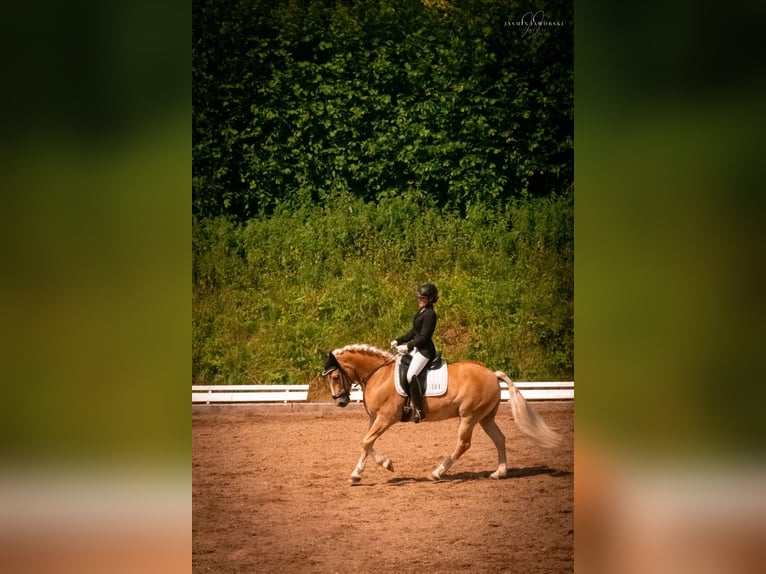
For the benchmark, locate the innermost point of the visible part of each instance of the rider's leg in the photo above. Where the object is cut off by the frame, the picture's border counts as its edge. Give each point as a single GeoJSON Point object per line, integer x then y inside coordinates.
{"type": "Point", "coordinates": [416, 366]}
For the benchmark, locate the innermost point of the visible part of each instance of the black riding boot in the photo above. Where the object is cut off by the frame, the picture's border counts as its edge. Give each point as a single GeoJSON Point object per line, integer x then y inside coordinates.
{"type": "Point", "coordinates": [417, 400]}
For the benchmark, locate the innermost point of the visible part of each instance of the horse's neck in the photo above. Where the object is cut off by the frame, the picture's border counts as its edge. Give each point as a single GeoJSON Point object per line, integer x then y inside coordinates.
{"type": "Point", "coordinates": [362, 364]}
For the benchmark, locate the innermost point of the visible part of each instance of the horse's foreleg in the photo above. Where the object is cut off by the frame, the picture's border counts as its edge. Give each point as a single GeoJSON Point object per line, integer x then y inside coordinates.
{"type": "Point", "coordinates": [498, 438]}
{"type": "Point", "coordinates": [383, 461]}
{"type": "Point", "coordinates": [356, 475]}
{"type": "Point", "coordinates": [464, 433]}
{"type": "Point", "coordinates": [377, 428]}
{"type": "Point", "coordinates": [379, 459]}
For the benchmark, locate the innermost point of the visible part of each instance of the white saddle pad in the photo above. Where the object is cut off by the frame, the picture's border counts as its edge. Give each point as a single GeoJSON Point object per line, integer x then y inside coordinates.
{"type": "Point", "coordinates": [436, 381]}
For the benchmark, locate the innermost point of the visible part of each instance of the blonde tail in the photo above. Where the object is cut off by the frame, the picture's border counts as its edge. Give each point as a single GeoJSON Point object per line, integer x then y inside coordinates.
{"type": "Point", "coordinates": [527, 418]}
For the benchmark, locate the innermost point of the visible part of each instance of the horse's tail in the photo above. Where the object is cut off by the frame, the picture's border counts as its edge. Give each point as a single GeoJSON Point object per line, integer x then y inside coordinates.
{"type": "Point", "coordinates": [527, 418]}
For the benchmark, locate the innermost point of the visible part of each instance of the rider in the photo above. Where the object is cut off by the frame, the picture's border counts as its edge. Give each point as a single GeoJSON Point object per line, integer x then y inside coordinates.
{"type": "Point", "coordinates": [419, 343]}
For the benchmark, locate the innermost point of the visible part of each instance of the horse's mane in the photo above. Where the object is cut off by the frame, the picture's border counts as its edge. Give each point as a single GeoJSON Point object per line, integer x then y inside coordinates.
{"type": "Point", "coordinates": [363, 348]}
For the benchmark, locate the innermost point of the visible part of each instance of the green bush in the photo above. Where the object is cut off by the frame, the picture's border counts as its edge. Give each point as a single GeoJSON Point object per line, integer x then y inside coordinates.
{"type": "Point", "coordinates": [272, 294]}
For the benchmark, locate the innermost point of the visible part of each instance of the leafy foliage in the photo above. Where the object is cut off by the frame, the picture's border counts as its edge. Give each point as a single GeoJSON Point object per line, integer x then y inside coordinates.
{"type": "Point", "coordinates": [272, 294]}
{"type": "Point", "coordinates": [295, 103]}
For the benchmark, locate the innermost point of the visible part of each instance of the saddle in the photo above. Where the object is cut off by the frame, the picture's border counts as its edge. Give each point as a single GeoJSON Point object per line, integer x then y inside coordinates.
{"type": "Point", "coordinates": [404, 365]}
{"type": "Point", "coordinates": [400, 380]}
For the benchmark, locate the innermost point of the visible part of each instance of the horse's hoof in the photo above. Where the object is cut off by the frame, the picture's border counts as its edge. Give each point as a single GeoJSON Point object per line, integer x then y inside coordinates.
{"type": "Point", "coordinates": [435, 477]}
{"type": "Point", "coordinates": [354, 480]}
{"type": "Point", "coordinates": [499, 473]}
{"type": "Point", "coordinates": [388, 465]}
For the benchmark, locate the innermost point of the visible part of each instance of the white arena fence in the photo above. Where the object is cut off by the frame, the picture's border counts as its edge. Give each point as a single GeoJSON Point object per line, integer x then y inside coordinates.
{"type": "Point", "coordinates": [233, 394]}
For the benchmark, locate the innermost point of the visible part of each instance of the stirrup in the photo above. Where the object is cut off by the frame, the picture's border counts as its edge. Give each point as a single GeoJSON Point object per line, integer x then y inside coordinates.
{"type": "Point", "coordinates": [417, 416]}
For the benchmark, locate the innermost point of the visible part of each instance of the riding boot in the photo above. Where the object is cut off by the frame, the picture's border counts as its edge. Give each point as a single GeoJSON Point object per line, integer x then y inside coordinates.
{"type": "Point", "coordinates": [417, 400]}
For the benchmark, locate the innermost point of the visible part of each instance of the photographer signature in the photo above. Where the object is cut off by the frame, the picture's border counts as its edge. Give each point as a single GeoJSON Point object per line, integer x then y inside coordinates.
{"type": "Point", "coordinates": [531, 19]}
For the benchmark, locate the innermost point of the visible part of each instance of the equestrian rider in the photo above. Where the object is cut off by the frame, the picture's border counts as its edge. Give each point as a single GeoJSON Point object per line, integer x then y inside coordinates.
{"type": "Point", "coordinates": [419, 343]}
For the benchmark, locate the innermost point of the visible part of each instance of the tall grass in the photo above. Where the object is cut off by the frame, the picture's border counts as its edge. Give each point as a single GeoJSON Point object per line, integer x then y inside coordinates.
{"type": "Point", "coordinates": [271, 295]}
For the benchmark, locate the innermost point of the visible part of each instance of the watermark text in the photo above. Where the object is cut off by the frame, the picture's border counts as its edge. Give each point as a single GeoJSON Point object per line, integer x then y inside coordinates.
{"type": "Point", "coordinates": [532, 22]}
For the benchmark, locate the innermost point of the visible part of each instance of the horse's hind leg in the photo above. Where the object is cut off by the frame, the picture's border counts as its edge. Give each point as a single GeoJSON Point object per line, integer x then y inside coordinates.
{"type": "Point", "coordinates": [378, 426]}
{"type": "Point", "coordinates": [464, 433]}
{"type": "Point", "coordinates": [498, 438]}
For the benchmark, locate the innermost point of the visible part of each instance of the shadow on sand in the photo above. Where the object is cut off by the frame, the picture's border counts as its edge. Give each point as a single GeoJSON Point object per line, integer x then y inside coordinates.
{"type": "Point", "coordinates": [469, 476]}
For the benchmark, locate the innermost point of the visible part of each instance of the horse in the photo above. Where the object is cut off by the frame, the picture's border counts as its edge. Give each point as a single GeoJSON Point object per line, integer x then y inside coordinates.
{"type": "Point", "coordinates": [473, 396]}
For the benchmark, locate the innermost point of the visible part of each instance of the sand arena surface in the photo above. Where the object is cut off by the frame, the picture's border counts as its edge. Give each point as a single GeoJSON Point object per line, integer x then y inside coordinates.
{"type": "Point", "coordinates": [271, 494]}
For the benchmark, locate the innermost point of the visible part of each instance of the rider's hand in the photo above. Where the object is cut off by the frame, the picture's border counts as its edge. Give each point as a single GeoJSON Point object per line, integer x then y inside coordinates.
{"type": "Point", "coordinates": [394, 343]}
{"type": "Point", "coordinates": [402, 349]}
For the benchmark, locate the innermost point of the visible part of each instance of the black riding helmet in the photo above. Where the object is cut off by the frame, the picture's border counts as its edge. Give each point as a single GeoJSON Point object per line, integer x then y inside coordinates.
{"type": "Point", "coordinates": [429, 291]}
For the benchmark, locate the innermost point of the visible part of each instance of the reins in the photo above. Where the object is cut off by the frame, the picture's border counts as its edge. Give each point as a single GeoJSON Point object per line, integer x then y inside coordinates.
{"type": "Point", "coordinates": [363, 380]}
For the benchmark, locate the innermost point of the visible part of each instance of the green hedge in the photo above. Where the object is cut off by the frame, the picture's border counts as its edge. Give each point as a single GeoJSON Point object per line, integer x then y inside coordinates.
{"type": "Point", "coordinates": [295, 103]}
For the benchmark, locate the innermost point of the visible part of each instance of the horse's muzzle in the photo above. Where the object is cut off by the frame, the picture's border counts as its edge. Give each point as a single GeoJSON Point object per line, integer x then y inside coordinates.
{"type": "Point", "coordinates": [341, 399]}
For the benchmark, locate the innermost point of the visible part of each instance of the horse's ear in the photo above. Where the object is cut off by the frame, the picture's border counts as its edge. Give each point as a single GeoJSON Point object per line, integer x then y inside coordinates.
{"type": "Point", "coordinates": [330, 363]}
{"type": "Point", "coordinates": [327, 356]}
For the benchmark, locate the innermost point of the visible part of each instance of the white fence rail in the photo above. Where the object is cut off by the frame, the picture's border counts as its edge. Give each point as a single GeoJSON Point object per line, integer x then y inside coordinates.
{"type": "Point", "coordinates": [216, 394]}
{"type": "Point", "coordinates": [536, 391]}
{"type": "Point", "coordinates": [249, 393]}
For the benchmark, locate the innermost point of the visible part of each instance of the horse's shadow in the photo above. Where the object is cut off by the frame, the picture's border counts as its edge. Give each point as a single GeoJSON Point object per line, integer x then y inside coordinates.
{"type": "Point", "coordinates": [484, 475]}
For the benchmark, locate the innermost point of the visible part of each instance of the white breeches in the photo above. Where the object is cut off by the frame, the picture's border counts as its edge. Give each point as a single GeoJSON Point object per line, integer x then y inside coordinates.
{"type": "Point", "coordinates": [418, 362]}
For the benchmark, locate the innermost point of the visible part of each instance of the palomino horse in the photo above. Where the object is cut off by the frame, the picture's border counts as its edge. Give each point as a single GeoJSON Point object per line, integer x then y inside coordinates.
{"type": "Point", "coordinates": [473, 396]}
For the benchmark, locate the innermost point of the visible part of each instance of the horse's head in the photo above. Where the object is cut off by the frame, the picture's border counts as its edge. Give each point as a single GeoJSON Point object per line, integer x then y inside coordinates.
{"type": "Point", "coordinates": [349, 365]}
{"type": "Point", "coordinates": [340, 383]}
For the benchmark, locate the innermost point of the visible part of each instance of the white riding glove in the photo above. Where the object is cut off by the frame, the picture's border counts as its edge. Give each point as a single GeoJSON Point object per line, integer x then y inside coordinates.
{"type": "Point", "coordinates": [394, 343]}
{"type": "Point", "coordinates": [402, 349]}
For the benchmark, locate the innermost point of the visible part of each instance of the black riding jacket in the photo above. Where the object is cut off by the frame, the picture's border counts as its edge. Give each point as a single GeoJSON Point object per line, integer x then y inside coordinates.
{"type": "Point", "coordinates": [423, 326]}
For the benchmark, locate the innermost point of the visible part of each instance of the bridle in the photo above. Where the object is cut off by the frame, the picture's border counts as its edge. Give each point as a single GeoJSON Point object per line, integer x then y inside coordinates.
{"type": "Point", "coordinates": [345, 379]}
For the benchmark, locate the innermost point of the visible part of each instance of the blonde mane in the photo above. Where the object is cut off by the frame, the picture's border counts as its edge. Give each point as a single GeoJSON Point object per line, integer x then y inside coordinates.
{"type": "Point", "coordinates": [363, 348]}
